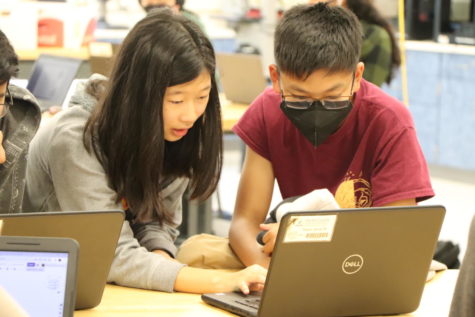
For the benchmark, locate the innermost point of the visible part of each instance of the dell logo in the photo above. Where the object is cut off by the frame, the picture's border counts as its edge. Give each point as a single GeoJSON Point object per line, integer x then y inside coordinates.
{"type": "Point", "coordinates": [352, 264]}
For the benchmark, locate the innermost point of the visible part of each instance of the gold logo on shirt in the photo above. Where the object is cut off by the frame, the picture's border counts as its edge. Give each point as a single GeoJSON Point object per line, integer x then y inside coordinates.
{"type": "Point", "coordinates": [354, 192]}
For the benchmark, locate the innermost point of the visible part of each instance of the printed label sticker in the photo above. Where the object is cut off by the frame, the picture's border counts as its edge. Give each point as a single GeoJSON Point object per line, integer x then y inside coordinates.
{"type": "Point", "coordinates": [314, 228]}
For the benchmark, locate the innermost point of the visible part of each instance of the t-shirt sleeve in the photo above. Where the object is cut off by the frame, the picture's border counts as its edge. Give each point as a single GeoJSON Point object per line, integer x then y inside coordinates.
{"type": "Point", "coordinates": [400, 170]}
{"type": "Point", "coordinates": [251, 128]}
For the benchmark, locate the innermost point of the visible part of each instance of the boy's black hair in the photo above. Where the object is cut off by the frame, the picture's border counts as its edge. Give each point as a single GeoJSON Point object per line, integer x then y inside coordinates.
{"type": "Point", "coordinates": [320, 36]}
{"type": "Point", "coordinates": [8, 59]}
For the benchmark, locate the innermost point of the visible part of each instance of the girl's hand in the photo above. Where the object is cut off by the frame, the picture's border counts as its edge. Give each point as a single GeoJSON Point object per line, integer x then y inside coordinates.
{"type": "Point", "coordinates": [249, 279]}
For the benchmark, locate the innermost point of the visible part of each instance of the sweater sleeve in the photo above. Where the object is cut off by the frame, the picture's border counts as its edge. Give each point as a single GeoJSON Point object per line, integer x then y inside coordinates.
{"type": "Point", "coordinates": [135, 266]}
{"type": "Point", "coordinates": [80, 183]}
{"type": "Point", "coordinates": [154, 236]}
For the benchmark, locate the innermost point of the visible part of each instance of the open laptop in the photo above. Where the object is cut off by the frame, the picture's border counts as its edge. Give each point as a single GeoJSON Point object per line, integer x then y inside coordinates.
{"type": "Point", "coordinates": [38, 275]}
{"type": "Point", "coordinates": [352, 262]}
{"type": "Point", "coordinates": [51, 78]}
{"type": "Point", "coordinates": [241, 76]}
{"type": "Point", "coordinates": [97, 233]}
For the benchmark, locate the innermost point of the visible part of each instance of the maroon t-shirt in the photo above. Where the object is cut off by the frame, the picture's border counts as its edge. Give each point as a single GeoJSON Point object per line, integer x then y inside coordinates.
{"type": "Point", "coordinates": [373, 159]}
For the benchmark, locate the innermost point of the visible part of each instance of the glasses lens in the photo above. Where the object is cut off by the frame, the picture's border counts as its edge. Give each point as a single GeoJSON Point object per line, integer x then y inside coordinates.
{"type": "Point", "coordinates": [335, 105]}
{"type": "Point", "coordinates": [298, 105]}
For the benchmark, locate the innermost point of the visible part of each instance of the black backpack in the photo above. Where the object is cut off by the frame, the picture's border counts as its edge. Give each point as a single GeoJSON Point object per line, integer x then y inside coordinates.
{"type": "Point", "coordinates": [447, 252]}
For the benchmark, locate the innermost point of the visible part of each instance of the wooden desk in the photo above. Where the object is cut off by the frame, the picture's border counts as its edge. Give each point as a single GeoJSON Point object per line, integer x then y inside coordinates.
{"type": "Point", "coordinates": [231, 113]}
{"type": "Point", "coordinates": [121, 301]}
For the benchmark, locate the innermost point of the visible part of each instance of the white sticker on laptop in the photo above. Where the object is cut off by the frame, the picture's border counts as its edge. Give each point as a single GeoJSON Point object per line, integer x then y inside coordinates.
{"type": "Point", "coordinates": [310, 228]}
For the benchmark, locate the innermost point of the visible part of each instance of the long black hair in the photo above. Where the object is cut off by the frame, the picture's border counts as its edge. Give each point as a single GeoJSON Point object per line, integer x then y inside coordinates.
{"type": "Point", "coordinates": [366, 11]}
{"type": "Point", "coordinates": [125, 130]}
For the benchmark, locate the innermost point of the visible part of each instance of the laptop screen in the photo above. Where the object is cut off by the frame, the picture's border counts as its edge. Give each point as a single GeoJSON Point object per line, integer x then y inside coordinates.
{"type": "Point", "coordinates": [35, 280]}
{"type": "Point", "coordinates": [51, 78]}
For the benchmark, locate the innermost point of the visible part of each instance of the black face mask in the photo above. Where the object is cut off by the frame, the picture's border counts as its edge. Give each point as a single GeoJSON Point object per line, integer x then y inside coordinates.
{"type": "Point", "coordinates": [316, 123]}
{"type": "Point", "coordinates": [153, 7]}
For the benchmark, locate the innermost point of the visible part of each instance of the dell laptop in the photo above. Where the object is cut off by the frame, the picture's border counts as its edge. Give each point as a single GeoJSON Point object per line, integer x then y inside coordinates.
{"type": "Point", "coordinates": [347, 262]}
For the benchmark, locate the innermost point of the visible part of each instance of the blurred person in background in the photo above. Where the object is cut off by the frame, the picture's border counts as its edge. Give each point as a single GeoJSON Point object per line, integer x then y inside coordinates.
{"type": "Point", "coordinates": [380, 52]}
{"type": "Point", "coordinates": [176, 5]}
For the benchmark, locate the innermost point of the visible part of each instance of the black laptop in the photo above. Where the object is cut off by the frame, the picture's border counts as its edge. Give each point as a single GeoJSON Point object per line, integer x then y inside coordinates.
{"type": "Point", "coordinates": [51, 78]}
{"type": "Point", "coordinates": [347, 262]}
{"type": "Point", "coordinates": [97, 233]}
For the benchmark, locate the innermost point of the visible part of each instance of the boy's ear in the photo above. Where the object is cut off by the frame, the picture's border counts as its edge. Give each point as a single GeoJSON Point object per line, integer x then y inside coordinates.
{"type": "Point", "coordinates": [274, 77]}
{"type": "Point", "coordinates": [176, 8]}
{"type": "Point", "coordinates": [358, 76]}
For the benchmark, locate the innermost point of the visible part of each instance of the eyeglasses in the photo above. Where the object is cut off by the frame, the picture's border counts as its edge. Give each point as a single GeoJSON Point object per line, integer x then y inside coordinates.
{"type": "Point", "coordinates": [302, 103]}
{"type": "Point", "coordinates": [4, 107]}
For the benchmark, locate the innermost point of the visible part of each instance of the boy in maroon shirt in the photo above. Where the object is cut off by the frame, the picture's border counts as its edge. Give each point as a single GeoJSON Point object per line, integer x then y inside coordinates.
{"type": "Point", "coordinates": [321, 126]}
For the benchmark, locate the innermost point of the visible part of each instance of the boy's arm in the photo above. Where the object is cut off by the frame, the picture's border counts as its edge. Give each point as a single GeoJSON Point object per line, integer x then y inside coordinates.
{"type": "Point", "coordinates": [404, 202]}
{"type": "Point", "coordinates": [252, 203]}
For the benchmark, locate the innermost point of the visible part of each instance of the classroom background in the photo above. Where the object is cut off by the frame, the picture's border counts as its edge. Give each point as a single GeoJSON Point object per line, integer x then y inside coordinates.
{"type": "Point", "coordinates": [438, 88]}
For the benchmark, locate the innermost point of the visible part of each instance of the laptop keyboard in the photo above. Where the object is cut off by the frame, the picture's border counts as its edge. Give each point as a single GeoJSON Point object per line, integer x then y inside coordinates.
{"type": "Point", "coordinates": [250, 302]}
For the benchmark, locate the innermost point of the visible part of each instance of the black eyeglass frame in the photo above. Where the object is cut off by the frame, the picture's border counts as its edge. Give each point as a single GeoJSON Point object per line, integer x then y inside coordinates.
{"type": "Point", "coordinates": [326, 104]}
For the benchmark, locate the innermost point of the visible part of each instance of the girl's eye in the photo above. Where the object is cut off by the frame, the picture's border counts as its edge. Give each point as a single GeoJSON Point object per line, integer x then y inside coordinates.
{"type": "Point", "coordinates": [175, 102]}
{"type": "Point", "coordinates": [203, 97]}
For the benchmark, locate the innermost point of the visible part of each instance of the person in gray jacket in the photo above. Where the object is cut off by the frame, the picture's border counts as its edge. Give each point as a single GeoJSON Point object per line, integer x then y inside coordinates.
{"type": "Point", "coordinates": [155, 131]}
{"type": "Point", "coordinates": [19, 119]}
{"type": "Point", "coordinates": [463, 301]}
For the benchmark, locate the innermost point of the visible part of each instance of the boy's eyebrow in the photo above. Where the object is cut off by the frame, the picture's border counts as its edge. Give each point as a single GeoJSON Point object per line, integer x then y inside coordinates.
{"type": "Point", "coordinates": [303, 91]}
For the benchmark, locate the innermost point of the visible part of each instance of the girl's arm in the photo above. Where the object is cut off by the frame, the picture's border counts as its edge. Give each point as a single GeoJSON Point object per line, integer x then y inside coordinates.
{"type": "Point", "coordinates": [194, 280]}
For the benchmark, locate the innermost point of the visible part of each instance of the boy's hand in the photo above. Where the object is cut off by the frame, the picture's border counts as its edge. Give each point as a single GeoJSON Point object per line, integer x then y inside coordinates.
{"type": "Point", "coordinates": [269, 237]}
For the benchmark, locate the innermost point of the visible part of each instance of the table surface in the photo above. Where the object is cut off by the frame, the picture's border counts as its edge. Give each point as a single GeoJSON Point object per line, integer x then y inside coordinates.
{"type": "Point", "coordinates": [122, 301]}
{"type": "Point", "coordinates": [231, 113]}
